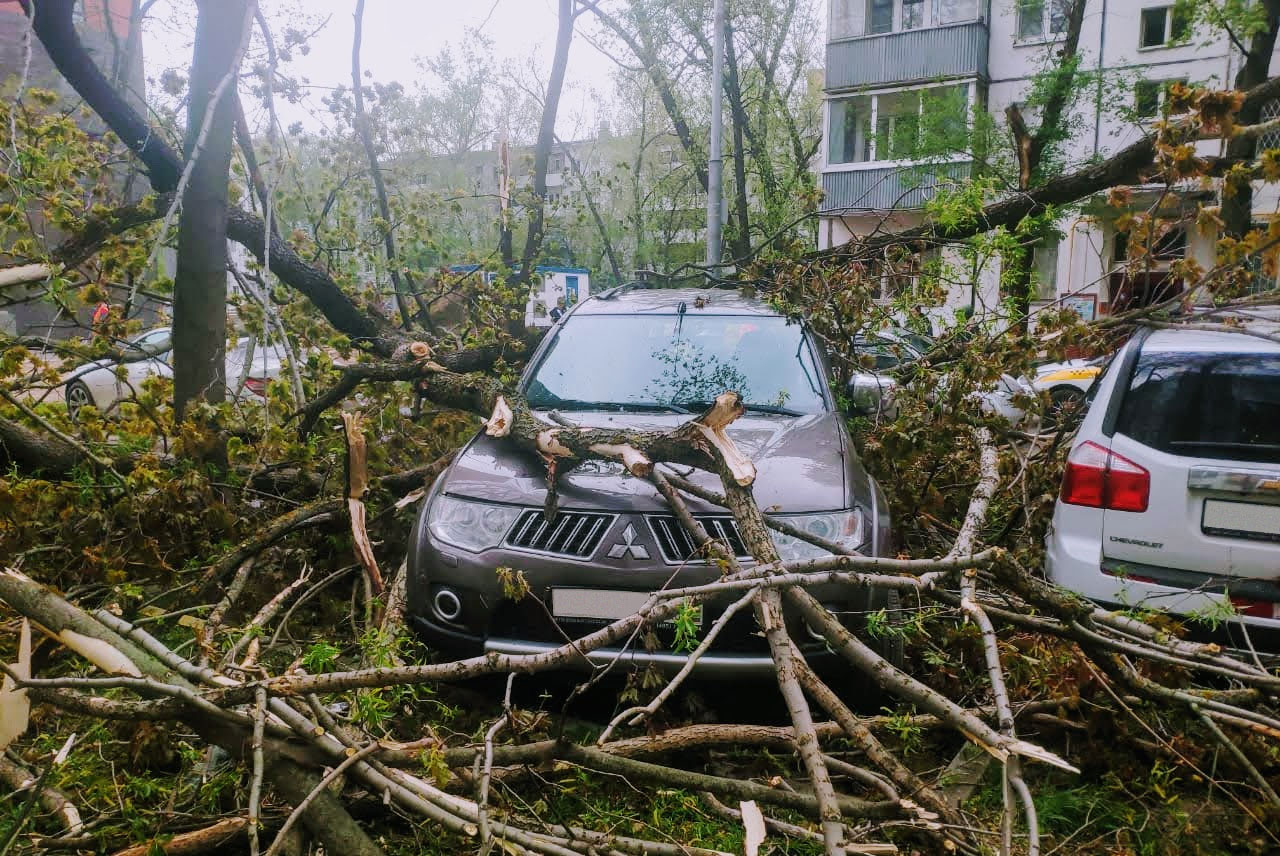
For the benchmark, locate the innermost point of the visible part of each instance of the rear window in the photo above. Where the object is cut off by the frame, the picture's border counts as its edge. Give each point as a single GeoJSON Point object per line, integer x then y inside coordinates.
{"type": "Point", "coordinates": [1205, 405]}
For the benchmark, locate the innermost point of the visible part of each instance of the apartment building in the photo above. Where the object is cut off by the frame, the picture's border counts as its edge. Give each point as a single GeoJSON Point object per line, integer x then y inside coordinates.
{"type": "Point", "coordinates": [641, 185]}
{"type": "Point", "coordinates": [898, 70]}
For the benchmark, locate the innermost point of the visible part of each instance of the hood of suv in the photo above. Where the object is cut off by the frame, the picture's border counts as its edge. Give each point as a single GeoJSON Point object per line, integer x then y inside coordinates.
{"type": "Point", "coordinates": [799, 462]}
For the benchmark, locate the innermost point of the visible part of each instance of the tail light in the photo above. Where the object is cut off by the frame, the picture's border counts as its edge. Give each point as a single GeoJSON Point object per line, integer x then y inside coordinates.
{"type": "Point", "coordinates": [257, 385]}
{"type": "Point", "coordinates": [1256, 608]}
{"type": "Point", "coordinates": [1099, 478]}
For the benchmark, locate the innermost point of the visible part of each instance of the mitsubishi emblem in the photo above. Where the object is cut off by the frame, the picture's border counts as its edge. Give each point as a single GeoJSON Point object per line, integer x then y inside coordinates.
{"type": "Point", "coordinates": [628, 545]}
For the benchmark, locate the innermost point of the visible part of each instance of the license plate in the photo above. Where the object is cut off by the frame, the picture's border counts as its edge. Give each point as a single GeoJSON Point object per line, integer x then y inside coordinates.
{"type": "Point", "coordinates": [596, 604]}
{"type": "Point", "coordinates": [1241, 520]}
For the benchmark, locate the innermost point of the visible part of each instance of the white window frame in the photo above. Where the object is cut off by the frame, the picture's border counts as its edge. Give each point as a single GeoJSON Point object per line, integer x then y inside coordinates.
{"type": "Point", "coordinates": [1168, 28]}
{"type": "Point", "coordinates": [1047, 34]}
{"type": "Point", "coordinates": [971, 98]}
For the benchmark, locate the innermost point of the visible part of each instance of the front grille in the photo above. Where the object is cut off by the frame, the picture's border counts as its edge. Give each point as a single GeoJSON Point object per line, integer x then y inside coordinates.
{"type": "Point", "coordinates": [677, 545]}
{"type": "Point", "coordinates": [569, 533]}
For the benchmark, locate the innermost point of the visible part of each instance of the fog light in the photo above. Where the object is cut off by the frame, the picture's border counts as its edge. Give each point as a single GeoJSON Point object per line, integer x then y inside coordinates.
{"type": "Point", "coordinates": [447, 605]}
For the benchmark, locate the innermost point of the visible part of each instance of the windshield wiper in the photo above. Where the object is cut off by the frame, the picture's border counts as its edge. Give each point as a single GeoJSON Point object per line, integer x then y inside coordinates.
{"type": "Point", "coordinates": [648, 407]}
{"type": "Point", "coordinates": [750, 408]}
{"type": "Point", "coordinates": [770, 408]}
{"type": "Point", "coordinates": [619, 406]}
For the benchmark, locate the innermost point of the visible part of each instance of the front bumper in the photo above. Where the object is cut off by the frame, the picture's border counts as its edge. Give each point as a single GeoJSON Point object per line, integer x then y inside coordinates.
{"type": "Point", "coordinates": [710, 664]}
{"type": "Point", "coordinates": [488, 620]}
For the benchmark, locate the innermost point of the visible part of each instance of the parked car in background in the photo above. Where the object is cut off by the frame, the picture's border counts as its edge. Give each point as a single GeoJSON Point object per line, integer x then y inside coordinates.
{"type": "Point", "coordinates": [642, 358]}
{"type": "Point", "coordinates": [1067, 384]}
{"type": "Point", "coordinates": [1171, 497]}
{"type": "Point", "coordinates": [883, 354]}
{"type": "Point", "coordinates": [105, 383]}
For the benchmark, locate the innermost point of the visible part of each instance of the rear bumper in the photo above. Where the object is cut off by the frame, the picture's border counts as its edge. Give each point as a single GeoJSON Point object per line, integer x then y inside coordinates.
{"type": "Point", "coordinates": [1077, 564]}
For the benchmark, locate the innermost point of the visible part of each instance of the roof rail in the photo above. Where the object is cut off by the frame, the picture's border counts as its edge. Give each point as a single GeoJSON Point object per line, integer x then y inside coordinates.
{"type": "Point", "coordinates": [619, 290]}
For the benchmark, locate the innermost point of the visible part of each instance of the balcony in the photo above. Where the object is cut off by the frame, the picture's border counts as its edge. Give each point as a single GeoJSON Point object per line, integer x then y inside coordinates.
{"type": "Point", "coordinates": [891, 187]}
{"type": "Point", "coordinates": [909, 56]}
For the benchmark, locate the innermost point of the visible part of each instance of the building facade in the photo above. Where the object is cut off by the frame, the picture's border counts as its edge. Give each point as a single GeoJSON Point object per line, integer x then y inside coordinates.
{"type": "Point", "coordinates": [903, 71]}
{"type": "Point", "coordinates": [107, 31]}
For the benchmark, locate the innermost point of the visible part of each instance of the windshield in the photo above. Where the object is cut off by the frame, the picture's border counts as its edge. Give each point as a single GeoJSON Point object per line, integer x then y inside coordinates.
{"type": "Point", "coordinates": [677, 362]}
{"type": "Point", "coordinates": [1205, 405]}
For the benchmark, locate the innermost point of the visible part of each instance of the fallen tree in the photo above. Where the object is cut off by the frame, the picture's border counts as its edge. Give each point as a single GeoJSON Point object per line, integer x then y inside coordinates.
{"type": "Point", "coordinates": [276, 708]}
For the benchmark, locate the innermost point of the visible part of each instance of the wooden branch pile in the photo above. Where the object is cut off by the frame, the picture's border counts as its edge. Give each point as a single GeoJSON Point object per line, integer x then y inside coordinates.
{"type": "Point", "coordinates": [277, 723]}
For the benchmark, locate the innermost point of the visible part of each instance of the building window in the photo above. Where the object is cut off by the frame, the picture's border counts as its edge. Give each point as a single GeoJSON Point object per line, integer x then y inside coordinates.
{"type": "Point", "coordinates": [850, 137]}
{"type": "Point", "coordinates": [1168, 245]}
{"type": "Point", "coordinates": [1162, 26]}
{"type": "Point", "coordinates": [898, 125]}
{"type": "Point", "coordinates": [912, 14]}
{"type": "Point", "coordinates": [901, 125]}
{"type": "Point", "coordinates": [1149, 96]}
{"type": "Point", "coordinates": [1044, 269]}
{"type": "Point", "coordinates": [1271, 139]}
{"type": "Point", "coordinates": [955, 11]}
{"type": "Point", "coordinates": [879, 16]}
{"type": "Point", "coordinates": [1041, 19]}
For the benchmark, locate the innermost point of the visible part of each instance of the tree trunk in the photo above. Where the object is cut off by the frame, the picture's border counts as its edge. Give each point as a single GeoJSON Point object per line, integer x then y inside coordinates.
{"type": "Point", "coordinates": [361, 122]}
{"type": "Point", "coordinates": [546, 139]}
{"type": "Point", "coordinates": [200, 286]}
{"type": "Point", "coordinates": [596, 217]}
{"type": "Point", "coordinates": [1237, 211]}
{"type": "Point", "coordinates": [741, 245]}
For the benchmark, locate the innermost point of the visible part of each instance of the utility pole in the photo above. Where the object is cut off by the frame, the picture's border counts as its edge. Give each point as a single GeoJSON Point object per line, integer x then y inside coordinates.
{"type": "Point", "coordinates": [715, 159]}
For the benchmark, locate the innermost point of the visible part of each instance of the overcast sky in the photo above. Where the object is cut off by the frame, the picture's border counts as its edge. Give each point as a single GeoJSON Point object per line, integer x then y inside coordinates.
{"type": "Point", "coordinates": [397, 31]}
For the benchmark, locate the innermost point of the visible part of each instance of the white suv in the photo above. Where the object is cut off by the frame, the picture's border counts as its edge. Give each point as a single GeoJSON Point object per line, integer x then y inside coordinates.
{"type": "Point", "coordinates": [1171, 497]}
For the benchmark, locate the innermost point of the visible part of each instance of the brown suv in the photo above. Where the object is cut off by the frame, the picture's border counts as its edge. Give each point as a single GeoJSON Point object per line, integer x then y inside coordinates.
{"type": "Point", "coordinates": [644, 358]}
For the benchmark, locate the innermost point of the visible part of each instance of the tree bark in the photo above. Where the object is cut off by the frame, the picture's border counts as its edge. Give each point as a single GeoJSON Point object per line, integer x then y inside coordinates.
{"type": "Point", "coordinates": [546, 139]}
{"type": "Point", "coordinates": [1237, 210]}
{"type": "Point", "coordinates": [200, 285]}
{"type": "Point", "coordinates": [741, 245]}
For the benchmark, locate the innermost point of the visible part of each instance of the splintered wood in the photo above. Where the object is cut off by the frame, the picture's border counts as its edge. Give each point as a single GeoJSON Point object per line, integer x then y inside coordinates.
{"type": "Point", "coordinates": [357, 485]}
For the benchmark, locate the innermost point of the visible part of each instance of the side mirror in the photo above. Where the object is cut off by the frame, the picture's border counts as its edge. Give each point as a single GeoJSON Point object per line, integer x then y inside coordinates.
{"type": "Point", "coordinates": [870, 395]}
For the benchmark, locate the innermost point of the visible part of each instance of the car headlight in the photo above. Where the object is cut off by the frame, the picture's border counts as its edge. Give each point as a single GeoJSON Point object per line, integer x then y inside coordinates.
{"type": "Point", "coordinates": [843, 527]}
{"type": "Point", "coordinates": [473, 526]}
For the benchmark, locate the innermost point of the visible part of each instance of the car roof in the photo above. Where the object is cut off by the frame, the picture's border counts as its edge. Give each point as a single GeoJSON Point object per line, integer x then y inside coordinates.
{"type": "Point", "coordinates": [715, 301]}
{"type": "Point", "coordinates": [1187, 340]}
